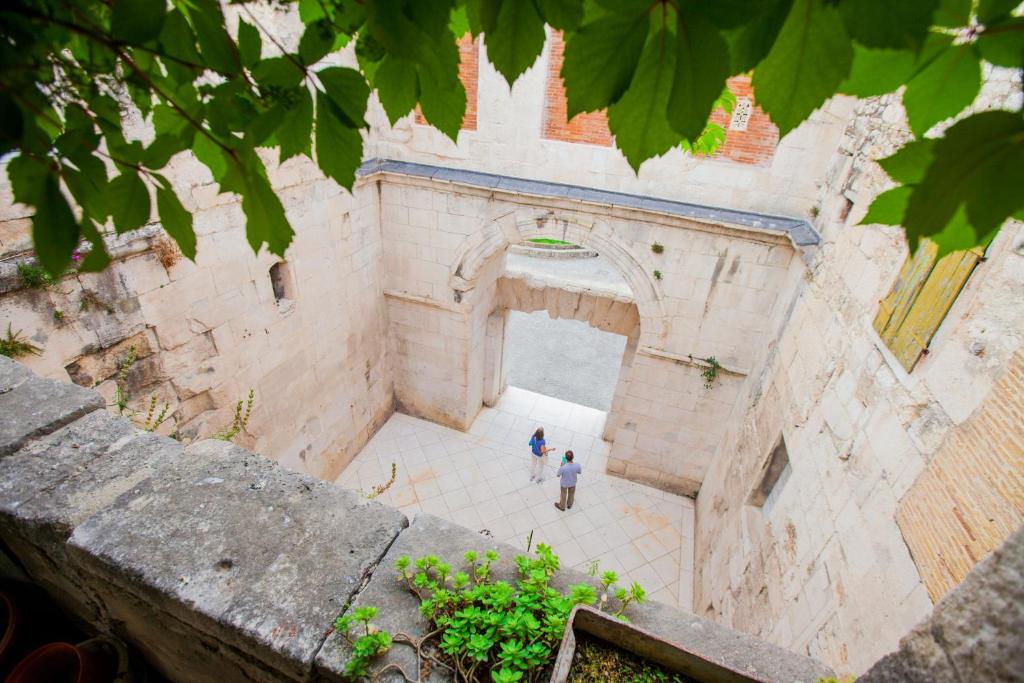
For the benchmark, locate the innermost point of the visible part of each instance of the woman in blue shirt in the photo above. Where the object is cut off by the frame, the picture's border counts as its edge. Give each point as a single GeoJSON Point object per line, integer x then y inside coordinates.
{"type": "Point", "coordinates": [539, 456]}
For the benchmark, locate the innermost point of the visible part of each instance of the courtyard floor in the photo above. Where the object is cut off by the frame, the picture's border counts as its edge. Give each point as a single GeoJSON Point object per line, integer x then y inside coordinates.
{"type": "Point", "coordinates": [481, 480]}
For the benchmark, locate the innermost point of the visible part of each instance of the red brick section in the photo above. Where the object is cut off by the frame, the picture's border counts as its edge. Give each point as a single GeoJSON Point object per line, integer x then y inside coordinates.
{"type": "Point", "coordinates": [756, 144]}
{"type": "Point", "coordinates": [469, 56]}
{"type": "Point", "coordinates": [590, 128]}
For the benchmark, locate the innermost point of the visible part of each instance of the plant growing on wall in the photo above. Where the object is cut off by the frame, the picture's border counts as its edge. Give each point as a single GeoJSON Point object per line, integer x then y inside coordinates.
{"type": "Point", "coordinates": [369, 643]}
{"type": "Point", "coordinates": [657, 275]}
{"type": "Point", "coordinates": [492, 630]}
{"type": "Point", "coordinates": [659, 68]}
{"type": "Point", "coordinates": [657, 248]}
{"type": "Point", "coordinates": [15, 346]}
{"type": "Point", "coordinates": [34, 277]}
{"type": "Point", "coordinates": [381, 488]}
{"type": "Point", "coordinates": [240, 420]}
{"type": "Point", "coordinates": [709, 371]}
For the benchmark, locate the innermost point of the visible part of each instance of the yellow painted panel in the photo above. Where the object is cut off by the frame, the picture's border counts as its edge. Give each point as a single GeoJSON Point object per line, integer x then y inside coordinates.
{"type": "Point", "coordinates": [930, 306]}
{"type": "Point", "coordinates": [893, 309]}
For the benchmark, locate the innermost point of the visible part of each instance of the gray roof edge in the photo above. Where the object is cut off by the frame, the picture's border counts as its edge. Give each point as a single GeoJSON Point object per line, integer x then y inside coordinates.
{"type": "Point", "coordinates": [799, 230]}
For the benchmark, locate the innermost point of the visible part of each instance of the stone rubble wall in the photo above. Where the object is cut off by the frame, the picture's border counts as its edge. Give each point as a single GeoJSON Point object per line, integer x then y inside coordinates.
{"type": "Point", "coordinates": [827, 570]}
{"type": "Point", "coordinates": [207, 332]}
{"type": "Point", "coordinates": [219, 564]}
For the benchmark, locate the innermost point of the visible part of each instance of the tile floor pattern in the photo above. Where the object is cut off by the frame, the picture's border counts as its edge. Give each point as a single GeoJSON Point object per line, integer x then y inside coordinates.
{"type": "Point", "coordinates": [481, 480]}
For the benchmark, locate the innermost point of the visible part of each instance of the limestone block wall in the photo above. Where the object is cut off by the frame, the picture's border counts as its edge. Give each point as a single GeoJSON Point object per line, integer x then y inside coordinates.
{"type": "Point", "coordinates": [826, 568]}
{"type": "Point", "coordinates": [509, 139]}
{"type": "Point", "coordinates": [719, 286]}
{"type": "Point", "coordinates": [208, 332]}
{"type": "Point", "coordinates": [219, 564]}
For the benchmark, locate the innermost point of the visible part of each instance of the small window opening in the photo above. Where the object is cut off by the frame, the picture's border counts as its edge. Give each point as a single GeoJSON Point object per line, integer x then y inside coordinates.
{"type": "Point", "coordinates": [281, 282]}
{"type": "Point", "coordinates": [774, 474]}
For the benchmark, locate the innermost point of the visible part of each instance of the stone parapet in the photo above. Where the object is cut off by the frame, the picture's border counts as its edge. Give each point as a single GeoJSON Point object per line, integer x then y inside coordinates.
{"type": "Point", "coordinates": [217, 563]}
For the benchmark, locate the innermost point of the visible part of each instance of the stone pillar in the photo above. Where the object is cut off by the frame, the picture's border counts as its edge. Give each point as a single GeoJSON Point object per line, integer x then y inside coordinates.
{"type": "Point", "coordinates": [615, 413]}
{"type": "Point", "coordinates": [495, 374]}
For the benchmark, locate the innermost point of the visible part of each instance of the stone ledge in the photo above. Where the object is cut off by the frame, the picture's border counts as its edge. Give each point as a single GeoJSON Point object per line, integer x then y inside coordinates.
{"type": "Point", "coordinates": [799, 231]}
{"type": "Point", "coordinates": [32, 407]}
{"type": "Point", "coordinates": [430, 535]}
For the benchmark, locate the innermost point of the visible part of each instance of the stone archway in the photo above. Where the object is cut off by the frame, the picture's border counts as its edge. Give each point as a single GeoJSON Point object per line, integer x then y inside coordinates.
{"type": "Point", "coordinates": [475, 277]}
{"type": "Point", "coordinates": [480, 249]}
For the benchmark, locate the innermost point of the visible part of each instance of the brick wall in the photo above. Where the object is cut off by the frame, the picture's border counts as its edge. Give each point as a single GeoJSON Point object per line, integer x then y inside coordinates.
{"type": "Point", "coordinates": [469, 64]}
{"type": "Point", "coordinates": [970, 498]}
{"type": "Point", "coordinates": [756, 144]}
{"type": "Point", "coordinates": [590, 128]}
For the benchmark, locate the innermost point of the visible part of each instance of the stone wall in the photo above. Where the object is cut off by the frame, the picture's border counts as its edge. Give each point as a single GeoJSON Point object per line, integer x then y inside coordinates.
{"type": "Point", "coordinates": [219, 564]}
{"type": "Point", "coordinates": [208, 332]}
{"type": "Point", "coordinates": [510, 139]}
{"type": "Point", "coordinates": [720, 281]}
{"type": "Point", "coordinates": [825, 568]}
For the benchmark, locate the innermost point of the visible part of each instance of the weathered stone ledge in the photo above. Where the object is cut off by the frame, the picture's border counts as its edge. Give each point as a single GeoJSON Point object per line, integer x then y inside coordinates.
{"type": "Point", "coordinates": [798, 230]}
{"type": "Point", "coordinates": [217, 563]}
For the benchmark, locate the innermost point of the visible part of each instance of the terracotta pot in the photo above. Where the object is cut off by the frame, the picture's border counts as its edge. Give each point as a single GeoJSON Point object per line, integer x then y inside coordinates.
{"type": "Point", "coordinates": [63, 663]}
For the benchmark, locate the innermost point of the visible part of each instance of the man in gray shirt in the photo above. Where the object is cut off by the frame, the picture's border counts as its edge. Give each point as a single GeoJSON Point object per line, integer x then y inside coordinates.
{"type": "Point", "coordinates": [568, 473]}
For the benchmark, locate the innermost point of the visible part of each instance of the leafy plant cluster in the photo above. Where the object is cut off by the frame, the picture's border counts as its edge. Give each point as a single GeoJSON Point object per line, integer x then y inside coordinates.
{"type": "Point", "coordinates": [709, 372]}
{"type": "Point", "coordinates": [240, 421]}
{"type": "Point", "coordinates": [493, 630]}
{"type": "Point", "coordinates": [370, 642]}
{"type": "Point", "coordinates": [71, 69]}
{"type": "Point", "coordinates": [16, 346]}
{"type": "Point", "coordinates": [34, 277]}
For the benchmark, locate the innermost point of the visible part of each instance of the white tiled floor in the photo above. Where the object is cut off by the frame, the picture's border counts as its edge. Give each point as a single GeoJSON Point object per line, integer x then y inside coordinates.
{"type": "Point", "coordinates": [481, 480]}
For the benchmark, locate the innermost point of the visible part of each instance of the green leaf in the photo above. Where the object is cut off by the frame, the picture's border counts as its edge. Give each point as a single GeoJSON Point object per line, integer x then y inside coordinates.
{"type": "Point", "coordinates": [250, 45]}
{"type": "Point", "coordinates": [1003, 44]}
{"type": "Point", "coordinates": [165, 146]}
{"type": "Point", "coordinates": [751, 41]}
{"type": "Point", "coordinates": [137, 21]}
{"type": "Point", "coordinates": [876, 72]}
{"type": "Point", "coordinates": [442, 104]}
{"type": "Point", "coordinates": [944, 87]}
{"type": "Point", "coordinates": [909, 163]}
{"type": "Point", "coordinates": [215, 44]}
{"type": "Point", "coordinates": [702, 65]}
{"type": "Point", "coordinates": [317, 40]}
{"type": "Point", "coordinates": [397, 87]}
{"type": "Point", "coordinates": [97, 259]}
{"type": "Point", "coordinates": [809, 60]}
{"type": "Point", "coordinates": [296, 129]}
{"type": "Point", "coordinates": [482, 15]}
{"type": "Point", "coordinates": [600, 60]}
{"type": "Point", "coordinates": [990, 10]}
{"type": "Point", "coordinates": [178, 41]}
{"type": "Point", "coordinates": [28, 176]}
{"type": "Point", "coordinates": [128, 199]}
{"type": "Point", "coordinates": [278, 72]}
{"type": "Point", "coordinates": [953, 13]}
{"type": "Point", "coordinates": [339, 148]}
{"type": "Point", "coordinates": [348, 89]}
{"type": "Point", "coordinates": [980, 164]}
{"type": "Point", "coordinates": [639, 119]}
{"type": "Point", "coordinates": [958, 235]}
{"type": "Point", "coordinates": [265, 219]}
{"type": "Point", "coordinates": [211, 155]}
{"type": "Point", "coordinates": [516, 40]}
{"type": "Point", "coordinates": [175, 219]}
{"type": "Point", "coordinates": [732, 13]}
{"type": "Point", "coordinates": [564, 15]}
{"type": "Point", "coordinates": [888, 23]}
{"type": "Point", "coordinates": [888, 207]}
{"type": "Point", "coordinates": [54, 230]}
{"type": "Point", "coordinates": [11, 121]}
